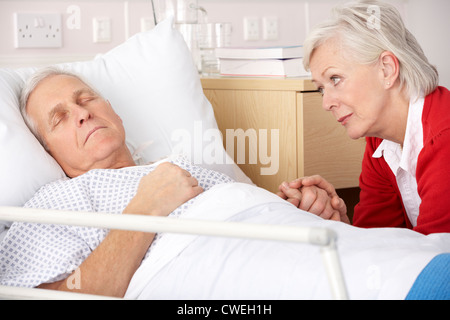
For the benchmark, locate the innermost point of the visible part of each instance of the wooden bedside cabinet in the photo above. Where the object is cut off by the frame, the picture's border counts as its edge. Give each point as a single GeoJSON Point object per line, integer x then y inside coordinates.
{"type": "Point", "coordinates": [286, 117]}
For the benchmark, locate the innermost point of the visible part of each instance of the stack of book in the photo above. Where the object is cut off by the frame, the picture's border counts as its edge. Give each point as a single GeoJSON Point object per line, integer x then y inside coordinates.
{"type": "Point", "coordinates": [261, 61]}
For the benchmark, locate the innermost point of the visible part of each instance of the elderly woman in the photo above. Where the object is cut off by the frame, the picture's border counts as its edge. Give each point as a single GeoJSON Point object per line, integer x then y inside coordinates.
{"type": "Point", "coordinates": [378, 84]}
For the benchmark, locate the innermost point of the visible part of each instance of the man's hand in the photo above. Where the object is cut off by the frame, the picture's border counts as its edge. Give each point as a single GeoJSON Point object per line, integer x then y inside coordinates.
{"type": "Point", "coordinates": [163, 190]}
{"type": "Point", "coordinates": [316, 195]}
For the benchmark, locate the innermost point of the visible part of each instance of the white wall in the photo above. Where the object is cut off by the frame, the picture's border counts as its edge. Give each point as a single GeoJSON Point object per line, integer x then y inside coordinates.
{"type": "Point", "coordinates": [428, 20]}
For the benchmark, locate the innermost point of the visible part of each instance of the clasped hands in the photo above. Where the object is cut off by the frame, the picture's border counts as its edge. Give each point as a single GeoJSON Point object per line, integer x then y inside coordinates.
{"type": "Point", "coordinates": [315, 195]}
{"type": "Point", "coordinates": [168, 181]}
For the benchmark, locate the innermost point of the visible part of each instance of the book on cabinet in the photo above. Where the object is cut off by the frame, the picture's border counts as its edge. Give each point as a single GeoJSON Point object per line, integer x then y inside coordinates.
{"type": "Point", "coordinates": [263, 67]}
{"type": "Point", "coordinates": [261, 61]}
{"type": "Point", "coordinates": [288, 52]}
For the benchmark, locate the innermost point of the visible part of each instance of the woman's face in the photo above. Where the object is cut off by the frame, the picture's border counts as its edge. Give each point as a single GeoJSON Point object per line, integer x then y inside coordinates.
{"type": "Point", "coordinates": [353, 92]}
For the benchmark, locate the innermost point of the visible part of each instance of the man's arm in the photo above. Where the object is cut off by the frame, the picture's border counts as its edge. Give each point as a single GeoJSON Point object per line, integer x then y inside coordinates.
{"type": "Point", "coordinates": [110, 267]}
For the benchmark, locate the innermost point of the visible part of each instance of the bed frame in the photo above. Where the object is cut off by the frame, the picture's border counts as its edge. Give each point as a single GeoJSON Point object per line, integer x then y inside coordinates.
{"type": "Point", "coordinates": [324, 238]}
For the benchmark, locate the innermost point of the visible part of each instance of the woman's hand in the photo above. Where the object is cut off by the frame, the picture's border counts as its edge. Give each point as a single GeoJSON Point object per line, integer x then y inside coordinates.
{"type": "Point", "coordinates": [315, 195]}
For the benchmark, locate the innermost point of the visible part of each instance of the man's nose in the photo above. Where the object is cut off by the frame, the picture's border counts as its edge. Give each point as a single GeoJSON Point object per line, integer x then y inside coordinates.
{"type": "Point", "coordinates": [81, 115]}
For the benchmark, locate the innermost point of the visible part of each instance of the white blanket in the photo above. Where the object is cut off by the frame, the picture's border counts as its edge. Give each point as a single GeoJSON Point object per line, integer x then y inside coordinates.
{"type": "Point", "coordinates": [378, 263]}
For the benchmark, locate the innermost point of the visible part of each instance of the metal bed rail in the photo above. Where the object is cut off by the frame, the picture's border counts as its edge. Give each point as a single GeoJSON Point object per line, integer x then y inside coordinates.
{"type": "Point", "coordinates": [324, 238]}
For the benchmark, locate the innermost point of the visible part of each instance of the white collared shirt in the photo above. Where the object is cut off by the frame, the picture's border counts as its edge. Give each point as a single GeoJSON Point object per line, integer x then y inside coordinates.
{"type": "Point", "coordinates": [403, 161]}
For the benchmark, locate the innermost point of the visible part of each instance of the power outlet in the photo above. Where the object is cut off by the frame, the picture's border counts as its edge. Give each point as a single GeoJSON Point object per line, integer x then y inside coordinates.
{"type": "Point", "coordinates": [36, 30]}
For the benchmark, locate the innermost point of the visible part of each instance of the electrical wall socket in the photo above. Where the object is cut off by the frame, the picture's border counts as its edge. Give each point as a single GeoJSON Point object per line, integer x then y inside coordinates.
{"type": "Point", "coordinates": [36, 30]}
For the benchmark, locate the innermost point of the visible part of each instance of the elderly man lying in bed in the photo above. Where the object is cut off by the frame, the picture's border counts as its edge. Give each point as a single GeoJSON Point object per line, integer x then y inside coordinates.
{"type": "Point", "coordinates": [79, 128]}
{"type": "Point", "coordinates": [82, 132]}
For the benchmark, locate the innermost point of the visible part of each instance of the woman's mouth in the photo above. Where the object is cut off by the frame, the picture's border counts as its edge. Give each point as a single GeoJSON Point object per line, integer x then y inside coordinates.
{"type": "Point", "coordinates": [345, 119]}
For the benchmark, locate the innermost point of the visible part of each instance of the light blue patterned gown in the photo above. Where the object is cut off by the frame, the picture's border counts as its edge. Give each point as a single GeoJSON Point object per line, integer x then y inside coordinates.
{"type": "Point", "coordinates": [32, 254]}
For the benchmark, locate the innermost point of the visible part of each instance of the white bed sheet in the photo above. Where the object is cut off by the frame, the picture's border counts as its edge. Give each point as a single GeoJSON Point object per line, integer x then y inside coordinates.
{"type": "Point", "coordinates": [377, 263]}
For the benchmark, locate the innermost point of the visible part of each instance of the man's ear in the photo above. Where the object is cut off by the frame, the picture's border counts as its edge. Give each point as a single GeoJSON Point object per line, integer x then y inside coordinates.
{"type": "Point", "coordinates": [391, 68]}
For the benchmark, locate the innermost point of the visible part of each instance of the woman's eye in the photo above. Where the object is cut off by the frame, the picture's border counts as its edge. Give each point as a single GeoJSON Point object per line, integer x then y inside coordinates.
{"type": "Point", "coordinates": [335, 80]}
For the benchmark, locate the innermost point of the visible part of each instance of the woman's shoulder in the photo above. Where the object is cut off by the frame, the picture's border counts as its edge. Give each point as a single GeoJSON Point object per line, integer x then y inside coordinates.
{"type": "Point", "coordinates": [436, 113]}
{"type": "Point", "coordinates": [437, 103]}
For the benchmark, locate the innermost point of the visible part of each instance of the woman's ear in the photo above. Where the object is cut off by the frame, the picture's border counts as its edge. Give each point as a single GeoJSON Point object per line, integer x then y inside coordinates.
{"type": "Point", "coordinates": [391, 68]}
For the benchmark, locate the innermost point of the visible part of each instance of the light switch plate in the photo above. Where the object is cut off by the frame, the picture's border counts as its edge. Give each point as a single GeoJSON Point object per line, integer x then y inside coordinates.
{"type": "Point", "coordinates": [251, 28]}
{"type": "Point", "coordinates": [270, 28]}
{"type": "Point", "coordinates": [102, 29]}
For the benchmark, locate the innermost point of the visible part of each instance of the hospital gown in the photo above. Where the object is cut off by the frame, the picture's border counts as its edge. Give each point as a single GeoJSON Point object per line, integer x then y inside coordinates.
{"type": "Point", "coordinates": [32, 254]}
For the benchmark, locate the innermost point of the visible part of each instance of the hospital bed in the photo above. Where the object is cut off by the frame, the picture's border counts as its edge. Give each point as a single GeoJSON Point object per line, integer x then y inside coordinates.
{"type": "Point", "coordinates": [355, 264]}
{"type": "Point", "coordinates": [322, 237]}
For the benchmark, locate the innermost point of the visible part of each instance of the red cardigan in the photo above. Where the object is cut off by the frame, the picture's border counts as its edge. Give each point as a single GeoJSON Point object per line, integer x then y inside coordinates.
{"type": "Point", "coordinates": [380, 199]}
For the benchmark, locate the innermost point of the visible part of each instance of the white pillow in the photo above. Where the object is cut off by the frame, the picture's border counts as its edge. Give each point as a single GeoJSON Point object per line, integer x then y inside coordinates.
{"type": "Point", "coordinates": [24, 164]}
{"type": "Point", "coordinates": [153, 85]}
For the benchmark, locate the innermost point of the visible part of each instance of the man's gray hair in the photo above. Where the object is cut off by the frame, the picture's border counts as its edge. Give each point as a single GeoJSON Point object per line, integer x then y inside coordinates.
{"type": "Point", "coordinates": [366, 29]}
{"type": "Point", "coordinates": [30, 86]}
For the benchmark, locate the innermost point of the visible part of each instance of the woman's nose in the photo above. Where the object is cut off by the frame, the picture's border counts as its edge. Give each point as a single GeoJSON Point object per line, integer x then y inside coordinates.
{"type": "Point", "coordinates": [329, 101]}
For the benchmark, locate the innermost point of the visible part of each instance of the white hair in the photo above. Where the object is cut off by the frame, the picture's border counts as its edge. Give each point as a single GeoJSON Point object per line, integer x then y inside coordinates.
{"type": "Point", "coordinates": [30, 86]}
{"type": "Point", "coordinates": [366, 29]}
